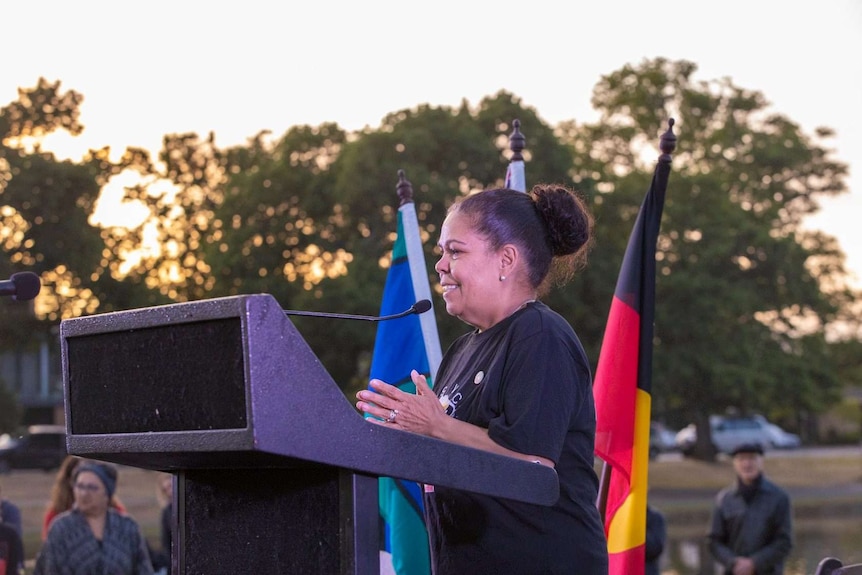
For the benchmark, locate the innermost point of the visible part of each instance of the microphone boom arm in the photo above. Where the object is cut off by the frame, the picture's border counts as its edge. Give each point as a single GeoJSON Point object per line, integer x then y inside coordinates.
{"type": "Point", "coordinates": [420, 306]}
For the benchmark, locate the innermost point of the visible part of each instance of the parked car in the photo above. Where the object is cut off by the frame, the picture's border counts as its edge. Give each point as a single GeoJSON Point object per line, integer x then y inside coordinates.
{"type": "Point", "coordinates": [781, 439]}
{"type": "Point", "coordinates": [728, 432]}
{"type": "Point", "coordinates": [41, 447]}
{"type": "Point", "coordinates": [661, 439]}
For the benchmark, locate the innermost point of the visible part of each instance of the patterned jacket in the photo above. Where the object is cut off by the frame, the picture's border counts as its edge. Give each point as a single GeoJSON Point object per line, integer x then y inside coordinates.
{"type": "Point", "coordinates": [72, 549]}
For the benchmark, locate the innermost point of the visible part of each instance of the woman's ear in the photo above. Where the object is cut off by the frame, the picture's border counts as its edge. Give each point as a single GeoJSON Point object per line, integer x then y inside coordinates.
{"type": "Point", "coordinates": [508, 259]}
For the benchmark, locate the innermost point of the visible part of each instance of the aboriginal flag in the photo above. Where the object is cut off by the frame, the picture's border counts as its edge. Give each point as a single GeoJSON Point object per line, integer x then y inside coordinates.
{"type": "Point", "coordinates": [622, 387]}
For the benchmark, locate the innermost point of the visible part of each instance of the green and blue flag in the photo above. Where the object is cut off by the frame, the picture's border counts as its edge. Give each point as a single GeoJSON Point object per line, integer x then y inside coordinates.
{"type": "Point", "coordinates": [402, 345]}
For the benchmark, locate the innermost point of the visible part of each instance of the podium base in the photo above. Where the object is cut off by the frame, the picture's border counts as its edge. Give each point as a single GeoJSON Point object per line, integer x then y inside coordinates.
{"type": "Point", "coordinates": [316, 520]}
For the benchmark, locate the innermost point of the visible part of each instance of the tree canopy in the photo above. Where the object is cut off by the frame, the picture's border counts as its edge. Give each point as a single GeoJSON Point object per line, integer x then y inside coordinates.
{"type": "Point", "coordinates": [745, 297]}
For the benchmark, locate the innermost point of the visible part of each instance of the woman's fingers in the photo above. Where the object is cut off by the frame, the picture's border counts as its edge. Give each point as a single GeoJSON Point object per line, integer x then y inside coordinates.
{"type": "Point", "coordinates": [384, 388]}
{"type": "Point", "coordinates": [380, 402]}
{"type": "Point", "coordinates": [421, 383]}
{"type": "Point", "coordinates": [366, 405]}
{"type": "Point", "coordinates": [390, 405]}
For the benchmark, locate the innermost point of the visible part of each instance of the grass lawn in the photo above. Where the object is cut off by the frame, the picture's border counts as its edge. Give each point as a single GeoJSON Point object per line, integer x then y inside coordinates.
{"type": "Point", "coordinates": [801, 469]}
{"type": "Point", "coordinates": [819, 482]}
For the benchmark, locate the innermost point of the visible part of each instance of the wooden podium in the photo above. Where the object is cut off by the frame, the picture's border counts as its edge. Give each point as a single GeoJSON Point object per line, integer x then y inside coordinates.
{"type": "Point", "coordinates": [276, 471]}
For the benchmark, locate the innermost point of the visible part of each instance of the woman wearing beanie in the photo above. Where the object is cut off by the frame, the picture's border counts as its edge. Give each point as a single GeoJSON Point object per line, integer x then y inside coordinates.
{"type": "Point", "coordinates": [92, 538]}
{"type": "Point", "coordinates": [62, 495]}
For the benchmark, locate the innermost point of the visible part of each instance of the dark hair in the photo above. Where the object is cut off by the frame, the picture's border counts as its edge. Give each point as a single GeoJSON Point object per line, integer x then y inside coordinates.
{"type": "Point", "coordinates": [747, 448]}
{"type": "Point", "coordinates": [551, 225]}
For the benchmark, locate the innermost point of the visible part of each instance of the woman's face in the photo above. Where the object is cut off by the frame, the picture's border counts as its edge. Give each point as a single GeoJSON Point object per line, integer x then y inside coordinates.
{"type": "Point", "coordinates": [91, 497]}
{"type": "Point", "coordinates": [469, 274]}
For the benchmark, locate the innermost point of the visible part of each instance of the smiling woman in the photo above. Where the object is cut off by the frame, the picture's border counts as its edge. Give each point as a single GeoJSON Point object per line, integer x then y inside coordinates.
{"type": "Point", "coordinates": [518, 384]}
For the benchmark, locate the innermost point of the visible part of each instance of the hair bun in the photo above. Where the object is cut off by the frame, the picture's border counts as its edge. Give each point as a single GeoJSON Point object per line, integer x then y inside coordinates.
{"type": "Point", "coordinates": [567, 220]}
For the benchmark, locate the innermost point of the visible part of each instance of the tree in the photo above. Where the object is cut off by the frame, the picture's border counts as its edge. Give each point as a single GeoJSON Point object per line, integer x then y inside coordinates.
{"type": "Point", "coordinates": [310, 217]}
{"type": "Point", "coordinates": [744, 296]}
{"type": "Point", "coordinates": [46, 205]}
{"type": "Point", "coordinates": [314, 220]}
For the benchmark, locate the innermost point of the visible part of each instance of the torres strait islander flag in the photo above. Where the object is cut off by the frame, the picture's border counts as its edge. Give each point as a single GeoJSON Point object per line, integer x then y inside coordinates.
{"type": "Point", "coordinates": [402, 345]}
{"type": "Point", "coordinates": [622, 388]}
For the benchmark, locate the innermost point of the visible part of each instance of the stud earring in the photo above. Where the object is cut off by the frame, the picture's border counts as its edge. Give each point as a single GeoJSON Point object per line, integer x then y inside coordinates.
{"type": "Point", "coordinates": [502, 278]}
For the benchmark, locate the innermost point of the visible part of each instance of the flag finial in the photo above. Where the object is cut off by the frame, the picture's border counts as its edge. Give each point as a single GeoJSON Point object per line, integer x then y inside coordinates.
{"type": "Point", "coordinates": [668, 141]}
{"type": "Point", "coordinates": [404, 189]}
{"type": "Point", "coordinates": [516, 141]}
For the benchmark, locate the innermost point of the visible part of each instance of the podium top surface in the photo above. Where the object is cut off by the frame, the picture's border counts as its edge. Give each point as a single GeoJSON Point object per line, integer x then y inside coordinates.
{"type": "Point", "coordinates": [230, 382]}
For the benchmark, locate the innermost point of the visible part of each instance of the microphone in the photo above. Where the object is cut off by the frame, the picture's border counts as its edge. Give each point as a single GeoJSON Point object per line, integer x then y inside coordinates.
{"type": "Point", "coordinates": [21, 286]}
{"type": "Point", "coordinates": [420, 306]}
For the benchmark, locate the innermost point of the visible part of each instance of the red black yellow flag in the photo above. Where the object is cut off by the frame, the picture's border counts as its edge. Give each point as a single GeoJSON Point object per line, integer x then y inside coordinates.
{"type": "Point", "coordinates": [623, 381]}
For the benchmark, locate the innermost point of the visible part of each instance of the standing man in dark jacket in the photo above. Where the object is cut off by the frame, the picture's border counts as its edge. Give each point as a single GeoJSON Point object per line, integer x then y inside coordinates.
{"type": "Point", "coordinates": [751, 531]}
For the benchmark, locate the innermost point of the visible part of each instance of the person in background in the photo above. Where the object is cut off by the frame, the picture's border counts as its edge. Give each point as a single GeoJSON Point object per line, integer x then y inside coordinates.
{"type": "Point", "coordinates": [10, 514]}
{"type": "Point", "coordinates": [518, 384]}
{"type": "Point", "coordinates": [656, 536]}
{"type": "Point", "coordinates": [11, 543]}
{"type": "Point", "coordinates": [92, 537]}
{"type": "Point", "coordinates": [751, 531]}
{"type": "Point", "coordinates": [164, 493]}
{"type": "Point", "coordinates": [61, 493]}
{"type": "Point", "coordinates": [62, 496]}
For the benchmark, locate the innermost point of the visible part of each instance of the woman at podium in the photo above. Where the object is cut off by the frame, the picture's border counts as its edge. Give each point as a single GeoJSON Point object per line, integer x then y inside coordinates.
{"type": "Point", "coordinates": [517, 384]}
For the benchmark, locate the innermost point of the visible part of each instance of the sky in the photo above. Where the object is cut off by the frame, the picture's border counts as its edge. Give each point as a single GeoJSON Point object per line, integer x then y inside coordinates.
{"type": "Point", "coordinates": [235, 69]}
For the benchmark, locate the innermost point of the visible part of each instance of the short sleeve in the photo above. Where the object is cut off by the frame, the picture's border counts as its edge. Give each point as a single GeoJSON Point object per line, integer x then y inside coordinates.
{"type": "Point", "coordinates": [545, 383]}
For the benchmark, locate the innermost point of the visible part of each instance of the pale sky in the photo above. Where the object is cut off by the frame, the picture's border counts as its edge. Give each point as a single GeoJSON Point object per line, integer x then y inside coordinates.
{"type": "Point", "coordinates": [158, 67]}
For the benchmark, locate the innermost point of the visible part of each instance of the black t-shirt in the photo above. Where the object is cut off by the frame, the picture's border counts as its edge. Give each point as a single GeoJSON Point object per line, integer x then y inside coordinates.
{"type": "Point", "coordinates": [526, 380]}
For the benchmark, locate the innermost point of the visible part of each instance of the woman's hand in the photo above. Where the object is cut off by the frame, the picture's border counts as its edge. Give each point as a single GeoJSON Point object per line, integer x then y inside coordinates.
{"type": "Point", "coordinates": [420, 412]}
{"type": "Point", "coordinates": [423, 413]}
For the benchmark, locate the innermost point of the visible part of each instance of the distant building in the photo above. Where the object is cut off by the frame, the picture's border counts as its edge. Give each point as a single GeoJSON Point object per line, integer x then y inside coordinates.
{"type": "Point", "coordinates": [35, 377]}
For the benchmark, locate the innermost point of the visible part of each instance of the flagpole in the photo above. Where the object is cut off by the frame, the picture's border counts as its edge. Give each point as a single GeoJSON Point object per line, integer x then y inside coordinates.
{"type": "Point", "coordinates": [515, 177]}
{"type": "Point", "coordinates": [419, 272]}
{"type": "Point", "coordinates": [667, 144]}
{"type": "Point", "coordinates": [604, 484]}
